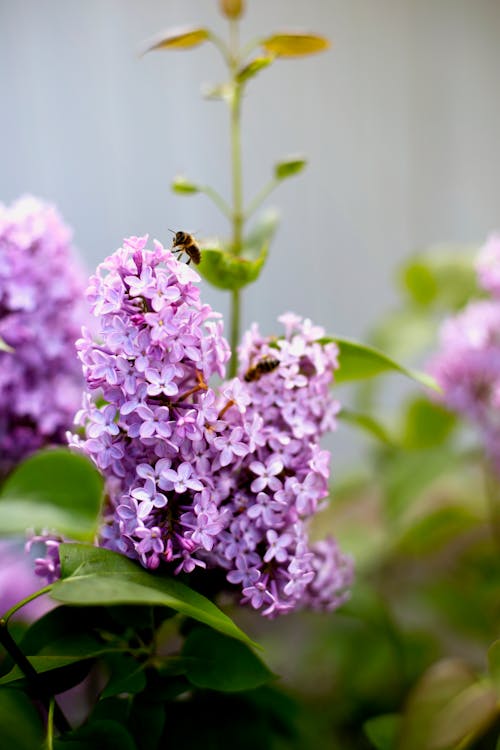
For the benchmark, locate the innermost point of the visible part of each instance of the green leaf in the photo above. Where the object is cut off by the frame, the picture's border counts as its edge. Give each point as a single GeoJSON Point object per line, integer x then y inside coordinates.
{"type": "Point", "coordinates": [126, 676]}
{"type": "Point", "coordinates": [104, 733]}
{"type": "Point", "coordinates": [252, 68]}
{"type": "Point", "coordinates": [184, 38]}
{"type": "Point", "coordinates": [54, 489]}
{"type": "Point", "coordinates": [443, 277]}
{"type": "Point", "coordinates": [182, 186]}
{"type": "Point", "coordinates": [466, 716]}
{"type": "Point", "coordinates": [220, 663]}
{"type": "Point", "coordinates": [62, 653]}
{"type": "Point", "coordinates": [100, 577]}
{"type": "Point", "coordinates": [4, 347]}
{"type": "Point", "coordinates": [426, 424]}
{"type": "Point", "coordinates": [289, 167]}
{"type": "Point", "coordinates": [227, 271]}
{"type": "Point", "coordinates": [382, 731]}
{"type": "Point", "coordinates": [367, 423]}
{"type": "Point", "coordinates": [20, 725]}
{"type": "Point", "coordinates": [429, 533]}
{"type": "Point", "coordinates": [494, 664]}
{"type": "Point", "coordinates": [358, 361]}
{"type": "Point", "coordinates": [294, 44]}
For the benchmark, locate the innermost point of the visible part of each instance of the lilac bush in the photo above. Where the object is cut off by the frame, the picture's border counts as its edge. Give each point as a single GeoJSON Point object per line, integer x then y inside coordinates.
{"type": "Point", "coordinates": [467, 366]}
{"type": "Point", "coordinates": [41, 311]}
{"type": "Point", "coordinates": [198, 477]}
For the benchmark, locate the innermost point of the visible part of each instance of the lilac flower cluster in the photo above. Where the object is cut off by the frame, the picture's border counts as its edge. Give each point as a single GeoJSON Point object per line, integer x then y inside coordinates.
{"type": "Point", "coordinates": [41, 312]}
{"type": "Point", "coordinates": [467, 366]}
{"type": "Point", "coordinates": [198, 478]}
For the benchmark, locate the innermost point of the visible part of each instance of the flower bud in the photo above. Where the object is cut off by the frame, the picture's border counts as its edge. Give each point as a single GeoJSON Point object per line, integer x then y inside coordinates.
{"type": "Point", "coordinates": [232, 9]}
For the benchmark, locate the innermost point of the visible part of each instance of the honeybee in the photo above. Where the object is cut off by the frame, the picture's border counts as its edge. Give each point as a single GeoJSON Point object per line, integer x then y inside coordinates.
{"type": "Point", "coordinates": [185, 243]}
{"type": "Point", "coordinates": [262, 367]}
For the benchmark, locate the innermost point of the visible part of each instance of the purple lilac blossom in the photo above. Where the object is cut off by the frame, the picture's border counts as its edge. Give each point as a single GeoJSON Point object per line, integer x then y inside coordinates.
{"type": "Point", "coordinates": [198, 478]}
{"type": "Point", "coordinates": [18, 581]}
{"type": "Point", "coordinates": [467, 365]}
{"type": "Point", "coordinates": [41, 313]}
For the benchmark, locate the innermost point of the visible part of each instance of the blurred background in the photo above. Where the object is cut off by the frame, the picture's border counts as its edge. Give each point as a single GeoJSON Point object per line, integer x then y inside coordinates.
{"type": "Point", "coordinates": [400, 121]}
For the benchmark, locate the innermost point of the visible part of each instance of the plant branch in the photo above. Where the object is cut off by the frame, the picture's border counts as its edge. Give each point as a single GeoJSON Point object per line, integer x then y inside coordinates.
{"type": "Point", "coordinates": [261, 197]}
{"type": "Point", "coordinates": [32, 677]}
{"type": "Point", "coordinates": [27, 600]}
{"type": "Point", "coordinates": [217, 199]}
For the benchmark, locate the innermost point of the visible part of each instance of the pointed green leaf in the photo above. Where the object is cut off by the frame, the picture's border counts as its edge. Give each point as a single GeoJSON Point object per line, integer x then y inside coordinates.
{"type": "Point", "coordinates": [95, 734]}
{"type": "Point", "coordinates": [382, 731]}
{"type": "Point", "coordinates": [294, 44]}
{"type": "Point", "coordinates": [99, 577]}
{"type": "Point", "coordinates": [179, 38]}
{"type": "Point", "coordinates": [54, 489]}
{"type": "Point", "coordinates": [358, 361]}
{"type": "Point", "coordinates": [219, 663]}
{"type": "Point", "coordinates": [289, 167]}
{"type": "Point", "coordinates": [367, 423]}
{"type": "Point", "coordinates": [182, 186]}
{"type": "Point", "coordinates": [252, 68]}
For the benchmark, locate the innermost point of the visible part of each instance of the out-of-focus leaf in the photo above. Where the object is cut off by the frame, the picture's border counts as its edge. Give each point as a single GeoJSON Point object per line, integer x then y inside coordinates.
{"type": "Point", "coordinates": [126, 676]}
{"type": "Point", "coordinates": [100, 577]}
{"type": "Point", "coordinates": [382, 731]}
{"type": "Point", "coordinates": [4, 347]}
{"type": "Point", "coordinates": [220, 91]}
{"type": "Point", "coordinates": [426, 424]}
{"type": "Point", "coordinates": [52, 489]}
{"type": "Point", "coordinates": [367, 423]}
{"type": "Point", "coordinates": [252, 68]}
{"type": "Point", "coordinates": [358, 361]}
{"type": "Point", "coordinates": [403, 334]}
{"type": "Point", "coordinates": [467, 715]}
{"type": "Point", "coordinates": [438, 687]}
{"type": "Point", "coordinates": [443, 277]}
{"type": "Point", "coordinates": [146, 712]}
{"type": "Point", "coordinates": [20, 725]}
{"type": "Point", "coordinates": [431, 532]}
{"type": "Point", "coordinates": [219, 663]}
{"type": "Point", "coordinates": [289, 167]}
{"type": "Point", "coordinates": [494, 664]}
{"type": "Point", "coordinates": [179, 38]}
{"type": "Point", "coordinates": [294, 44]}
{"type": "Point", "coordinates": [410, 473]}
{"type": "Point", "coordinates": [183, 186]}
{"type": "Point", "coordinates": [102, 733]}
{"type": "Point", "coordinates": [232, 9]}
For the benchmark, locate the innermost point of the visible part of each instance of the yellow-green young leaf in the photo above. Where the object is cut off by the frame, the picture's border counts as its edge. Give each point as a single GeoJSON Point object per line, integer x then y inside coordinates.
{"type": "Point", "coordinates": [220, 91]}
{"type": "Point", "coordinates": [494, 664]}
{"type": "Point", "coordinates": [4, 347]}
{"type": "Point", "coordinates": [466, 716]}
{"type": "Point", "coordinates": [252, 68]}
{"type": "Point", "coordinates": [182, 186]}
{"type": "Point", "coordinates": [232, 8]}
{"type": "Point", "coordinates": [226, 271]}
{"type": "Point", "coordinates": [294, 44]}
{"type": "Point", "coordinates": [177, 39]}
{"type": "Point", "coordinates": [289, 167]}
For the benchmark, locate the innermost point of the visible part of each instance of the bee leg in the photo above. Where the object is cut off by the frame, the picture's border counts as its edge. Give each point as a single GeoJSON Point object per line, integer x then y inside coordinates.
{"type": "Point", "coordinates": [189, 261]}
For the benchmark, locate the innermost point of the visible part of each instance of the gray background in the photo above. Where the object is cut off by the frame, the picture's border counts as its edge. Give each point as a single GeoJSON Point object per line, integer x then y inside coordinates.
{"type": "Point", "coordinates": [400, 121]}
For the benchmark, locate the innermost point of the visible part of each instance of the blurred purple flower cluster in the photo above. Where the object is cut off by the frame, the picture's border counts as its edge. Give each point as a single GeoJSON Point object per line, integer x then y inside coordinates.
{"type": "Point", "coordinates": [467, 367]}
{"type": "Point", "coordinates": [41, 312]}
{"type": "Point", "coordinates": [198, 477]}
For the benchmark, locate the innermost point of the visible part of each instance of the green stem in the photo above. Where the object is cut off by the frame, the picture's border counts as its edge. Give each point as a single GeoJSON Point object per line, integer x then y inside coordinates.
{"type": "Point", "coordinates": [238, 218]}
{"type": "Point", "coordinates": [261, 197]}
{"type": "Point", "coordinates": [235, 330]}
{"type": "Point", "coordinates": [27, 600]}
{"type": "Point", "coordinates": [217, 199]}
{"type": "Point", "coordinates": [50, 725]}
{"type": "Point", "coordinates": [32, 677]}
